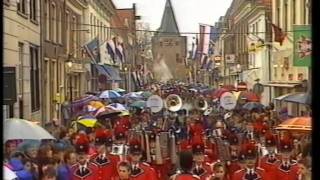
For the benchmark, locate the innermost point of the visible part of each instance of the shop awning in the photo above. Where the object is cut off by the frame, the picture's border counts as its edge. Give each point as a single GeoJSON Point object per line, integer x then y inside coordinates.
{"type": "Point", "coordinates": [113, 73]}
{"type": "Point", "coordinates": [286, 85]}
{"type": "Point", "coordinates": [101, 70]}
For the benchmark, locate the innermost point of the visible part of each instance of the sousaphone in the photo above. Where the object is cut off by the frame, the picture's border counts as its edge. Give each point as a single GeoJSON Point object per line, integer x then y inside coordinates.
{"type": "Point", "coordinates": [173, 102]}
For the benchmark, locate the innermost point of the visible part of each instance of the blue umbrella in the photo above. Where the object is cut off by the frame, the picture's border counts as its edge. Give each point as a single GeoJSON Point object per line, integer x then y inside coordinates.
{"type": "Point", "coordinates": [252, 105]}
{"type": "Point", "coordinates": [139, 104]}
{"type": "Point", "coordinates": [109, 94]}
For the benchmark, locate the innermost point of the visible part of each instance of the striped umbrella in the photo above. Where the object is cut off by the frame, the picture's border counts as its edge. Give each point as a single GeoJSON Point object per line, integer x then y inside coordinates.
{"type": "Point", "coordinates": [109, 94]}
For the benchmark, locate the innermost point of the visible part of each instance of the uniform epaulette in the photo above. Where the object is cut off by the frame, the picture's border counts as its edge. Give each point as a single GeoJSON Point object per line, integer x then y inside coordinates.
{"type": "Point", "coordinates": [74, 165]}
{"type": "Point", "coordinates": [293, 162]}
{"type": "Point", "coordinates": [208, 164]}
{"type": "Point", "coordinates": [146, 164]}
{"type": "Point", "coordinates": [261, 169]}
{"type": "Point", "coordinates": [195, 176]}
{"type": "Point", "coordinates": [239, 170]}
{"type": "Point", "coordinates": [94, 164]}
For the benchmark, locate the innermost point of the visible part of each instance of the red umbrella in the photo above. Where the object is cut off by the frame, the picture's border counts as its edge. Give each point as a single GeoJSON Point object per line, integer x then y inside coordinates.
{"type": "Point", "coordinates": [228, 87]}
{"type": "Point", "coordinates": [249, 96]}
{"type": "Point", "coordinates": [297, 123]}
{"type": "Point", "coordinates": [217, 93]}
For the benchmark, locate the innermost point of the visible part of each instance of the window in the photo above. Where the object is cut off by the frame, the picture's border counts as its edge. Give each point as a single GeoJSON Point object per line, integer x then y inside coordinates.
{"type": "Point", "coordinates": [104, 32]}
{"type": "Point", "coordinates": [74, 34]}
{"type": "Point", "coordinates": [21, 6]}
{"type": "Point", "coordinates": [278, 13]}
{"type": "Point", "coordinates": [294, 12]}
{"type": "Point", "coordinates": [34, 75]}
{"type": "Point", "coordinates": [20, 46]}
{"type": "Point", "coordinates": [91, 27]}
{"type": "Point", "coordinates": [59, 26]}
{"type": "Point", "coordinates": [67, 32]}
{"type": "Point", "coordinates": [285, 22]}
{"type": "Point", "coordinates": [53, 22]}
{"type": "Point", "coordinates": [47, 19]}
{"type": "Point", "coordinates": [33, 10]}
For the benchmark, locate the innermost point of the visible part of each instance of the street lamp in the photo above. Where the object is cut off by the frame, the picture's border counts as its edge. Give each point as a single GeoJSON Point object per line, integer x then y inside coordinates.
{"type": "Point", "coordinates": [238, 72]}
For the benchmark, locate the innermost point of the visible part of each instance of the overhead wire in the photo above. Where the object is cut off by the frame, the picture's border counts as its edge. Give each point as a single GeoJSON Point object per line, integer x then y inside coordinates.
{"type": "Point", "coordinates": [154, 31]}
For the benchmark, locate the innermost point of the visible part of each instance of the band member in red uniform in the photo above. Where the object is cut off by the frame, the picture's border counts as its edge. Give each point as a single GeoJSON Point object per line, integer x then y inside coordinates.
{"type": "Point", "coordinates": [186, 163]}
{"type": "Point", "coordinates": [219, 172]}
{"type": "Point", "coordinates": [201, 168]}
{"type": "Point", "coordinates": [105, 163]}
{"type": "Point", "coordinates": [233, 165]}
{"type": "Point", "coordinates": [139, 170]}
{"type": "Point", "coordinates": [84, 169]}
{"type": "Point", "coordinates": [269, 162]}
{"type": "Point", "coordinates": [287, 169]}
{"type": "Point", "coordinates": [120, 140]}
{"type": "Point", "coordinates": [124, 171]}
{"type": "Point", "coordinates": [162, 168]}
{"type": "Point", "coordinates": [250, 171]}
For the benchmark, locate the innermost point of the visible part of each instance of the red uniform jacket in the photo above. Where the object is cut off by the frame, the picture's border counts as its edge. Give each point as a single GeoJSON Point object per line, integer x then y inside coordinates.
{"type": "Point", "coordinates": [204, 172]}
{"type": "Point", "coordinates": [232, 168]}
{"type": "Point", "coordinates": [184, 177]}
{"type": "Point", "coordinates": [144, 172]}
{"type": "Point", "coordinates": [107, 166]}
{"type": "Point", "coordinates": [290, 173]}
{"type": "Point", "coordinates": [89, 173]}
{"type": "Point", "coordinates": [162, 170]}
{"type": "Point", "coordinates": [269, 165]}
{"type": "Point", "coordinates": [212, 151]}
{"type": "Point", "coordinates": [242, 174]}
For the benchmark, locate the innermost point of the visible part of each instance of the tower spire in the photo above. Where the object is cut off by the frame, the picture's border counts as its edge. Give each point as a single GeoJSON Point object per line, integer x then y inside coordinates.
{"type": "Point", "coordinates": [168, 23]}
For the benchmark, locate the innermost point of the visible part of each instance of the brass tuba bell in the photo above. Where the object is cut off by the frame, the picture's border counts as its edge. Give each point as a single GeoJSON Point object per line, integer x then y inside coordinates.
{"type": "Point", "coordinates": [173, 102]}
{"type": "Point", "coordinates": [201, 104]}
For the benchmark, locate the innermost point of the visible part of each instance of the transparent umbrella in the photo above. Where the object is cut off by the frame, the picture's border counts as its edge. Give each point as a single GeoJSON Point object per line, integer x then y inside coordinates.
{"type": "Point", "coordinates": [23, 129]}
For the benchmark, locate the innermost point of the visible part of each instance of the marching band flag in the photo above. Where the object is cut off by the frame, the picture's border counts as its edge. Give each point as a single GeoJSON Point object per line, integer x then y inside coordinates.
{"type": "Point", "coordinates": [92, 49]}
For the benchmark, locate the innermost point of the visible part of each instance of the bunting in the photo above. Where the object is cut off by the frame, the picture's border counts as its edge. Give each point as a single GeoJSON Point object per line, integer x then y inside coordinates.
{"type": "Point", "coordinates": [92, 48]}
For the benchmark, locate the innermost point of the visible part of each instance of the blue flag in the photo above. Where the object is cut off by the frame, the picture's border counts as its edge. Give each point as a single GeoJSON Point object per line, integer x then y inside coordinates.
{"type": "Point", "coordinates": [93, 50]}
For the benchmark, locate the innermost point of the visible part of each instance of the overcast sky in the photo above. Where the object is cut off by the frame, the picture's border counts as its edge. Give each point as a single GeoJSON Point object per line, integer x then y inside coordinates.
{"type": "Point", "coordinates": [189, 13]}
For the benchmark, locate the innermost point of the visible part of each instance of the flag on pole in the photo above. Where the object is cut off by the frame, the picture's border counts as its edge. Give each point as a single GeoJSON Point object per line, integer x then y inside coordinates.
{"type": "Point", "coordinates": [279, 35]}
{"type": "Point", "coordinates": [302, 45]}
{"type": "Point", "coordinates": [92, 49]}
{"type": "Point", "coordinates": [111, 48]}
{"type": "Point", "coordinates": [120, 52]}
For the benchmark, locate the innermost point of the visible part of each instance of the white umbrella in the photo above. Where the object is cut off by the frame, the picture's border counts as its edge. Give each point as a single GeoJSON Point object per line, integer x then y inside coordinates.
{"type": "Point", "coordinates": [109, 94]}
{"type": "Point", "coordinates": [117, 107]}
{"type": "Point", "coordinates": [22, 129]}
{"type": "Point", "coordinates": [8, 174]}
{"type": "Point", "coordinates": [119, 90]}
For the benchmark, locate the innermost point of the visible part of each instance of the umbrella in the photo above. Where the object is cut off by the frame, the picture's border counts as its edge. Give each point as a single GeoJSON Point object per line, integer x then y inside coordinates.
{"type": "Point", "coordinates": [249, 96]}
{"type": "Point", "coordinates": [217, 93]}
{"type": "Point", "coordinates": [132, 95]}
{"type": "Point", "coordinates": [297, 123]}
{"type": "Point", "coordinates": [138, 104]}
{"type": "Point", "coordinates": [146, 94]}
{"type": "Point", "coordinates": [109, 94]}
{"type": "Point", "coordinates": [117, 107]}
{"type": "Point", "coordinates": [252, 105]}
{"type": "Point", "coordinates": [119, 90]}
{"type": "Point", "coordinates": [8, 174]}
{"type": "Point", "coordinates": [124, 113]}
{"type": "Point", "coordinates": [88, 122]}
{"type": "Point", "coordinates": [23, 129]}
{"type": "Point", "coordinates": [108, 113]}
